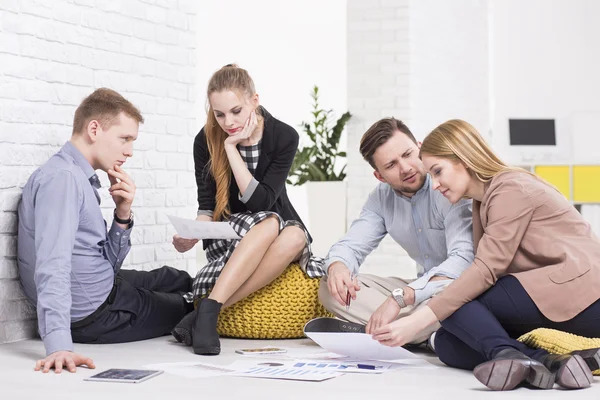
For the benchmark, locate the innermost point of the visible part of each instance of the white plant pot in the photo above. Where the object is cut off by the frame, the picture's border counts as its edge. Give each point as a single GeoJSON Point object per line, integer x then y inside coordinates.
{"type": "Point", "coordinates": [322, 208]}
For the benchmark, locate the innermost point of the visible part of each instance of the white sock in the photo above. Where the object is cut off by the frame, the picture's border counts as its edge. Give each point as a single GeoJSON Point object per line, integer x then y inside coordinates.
{"type": "Point", "coordinates": [432, 341]}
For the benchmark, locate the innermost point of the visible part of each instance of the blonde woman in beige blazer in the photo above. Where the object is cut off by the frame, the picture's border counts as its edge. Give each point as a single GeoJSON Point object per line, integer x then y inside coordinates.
{"type": "Point", "coordinates": [537, 265]}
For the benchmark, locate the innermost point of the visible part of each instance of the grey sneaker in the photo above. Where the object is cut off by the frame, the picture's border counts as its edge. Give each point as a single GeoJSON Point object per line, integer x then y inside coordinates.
{"type": "Point", "coordinates": [325, 324]}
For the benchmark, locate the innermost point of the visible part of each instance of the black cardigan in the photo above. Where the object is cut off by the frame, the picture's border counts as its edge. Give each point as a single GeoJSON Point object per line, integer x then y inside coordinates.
{"type": "Point", "coordinates": [278, 148]}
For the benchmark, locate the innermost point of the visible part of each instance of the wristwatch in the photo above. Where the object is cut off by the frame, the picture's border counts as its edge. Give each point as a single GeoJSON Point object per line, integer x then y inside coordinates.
{"type": "Point", "coordinates": [398, 295]}
{"type": "Point", "coordinates": [123, 221]}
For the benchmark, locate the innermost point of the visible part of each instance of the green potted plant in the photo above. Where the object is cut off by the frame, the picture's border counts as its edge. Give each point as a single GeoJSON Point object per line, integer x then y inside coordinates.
{"type": "Point", "coordinates": [318, 189]}
{"type": "Point", "coordinates": [317, 161]}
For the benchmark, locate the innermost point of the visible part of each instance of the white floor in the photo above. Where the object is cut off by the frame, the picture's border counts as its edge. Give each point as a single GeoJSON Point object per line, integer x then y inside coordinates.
{"type": "Point", "coordinates": [19, 381]}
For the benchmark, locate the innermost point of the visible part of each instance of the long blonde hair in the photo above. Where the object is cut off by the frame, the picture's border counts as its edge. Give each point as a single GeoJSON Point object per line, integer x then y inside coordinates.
{"type": "Point", "coordinates": [457, 140]}
{"type": "Point", "coordinates": [229, 77]}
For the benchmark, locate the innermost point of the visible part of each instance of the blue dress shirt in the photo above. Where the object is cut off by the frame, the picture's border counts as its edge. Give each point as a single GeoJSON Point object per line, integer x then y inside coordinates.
{"type": "Point", "coordinates": [435, 233]}
{"type": "Point", "coordinates": [67, 261]}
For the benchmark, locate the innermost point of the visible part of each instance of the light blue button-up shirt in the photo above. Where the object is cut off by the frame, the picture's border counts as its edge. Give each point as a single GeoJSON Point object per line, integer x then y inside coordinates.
{"type": "Point", "coordinates": [435, 233]}
{"type": "Point", "coordinates": [67, 262]}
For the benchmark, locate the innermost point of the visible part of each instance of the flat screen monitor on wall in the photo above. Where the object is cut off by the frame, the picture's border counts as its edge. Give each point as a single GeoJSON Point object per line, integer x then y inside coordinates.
{"type": "Point", "coordinates": [532, 132]}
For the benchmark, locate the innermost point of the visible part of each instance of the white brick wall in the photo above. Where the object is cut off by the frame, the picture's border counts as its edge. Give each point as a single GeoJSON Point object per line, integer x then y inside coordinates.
{"type": "Point", "coordinates": [421, 61]}
{"type": "Point", "coordinates": [51, 57]}
{"type": "Point", "coordinates": [449, 73]}
{"type": "Point", "coordinates": [378, 86]}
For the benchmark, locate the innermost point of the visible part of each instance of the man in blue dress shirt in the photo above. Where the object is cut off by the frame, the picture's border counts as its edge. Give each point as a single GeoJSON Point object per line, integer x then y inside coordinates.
{"type": "Point", "coordinates": [69, 265]}
{"type": "Point", "coordinates": [437, 235]}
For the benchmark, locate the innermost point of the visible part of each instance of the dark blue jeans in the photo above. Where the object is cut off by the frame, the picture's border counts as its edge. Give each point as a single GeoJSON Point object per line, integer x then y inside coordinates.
{"type": "Point", "coordinates": [480, 329]}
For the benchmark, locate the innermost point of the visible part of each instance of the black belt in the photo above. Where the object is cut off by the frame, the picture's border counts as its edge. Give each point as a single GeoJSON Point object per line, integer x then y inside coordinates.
{"type": "Point", "coordinates": [94, 316]}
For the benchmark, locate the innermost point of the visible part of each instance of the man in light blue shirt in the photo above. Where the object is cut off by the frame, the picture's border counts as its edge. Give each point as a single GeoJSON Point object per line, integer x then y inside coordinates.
{"type": "Point", "coordinates": [69, 265]}
{"type": "Point", "coordinates": [434, 233]}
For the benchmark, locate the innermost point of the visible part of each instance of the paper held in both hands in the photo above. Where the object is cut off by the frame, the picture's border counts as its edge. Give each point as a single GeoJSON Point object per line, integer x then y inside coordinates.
{"type": "Point", "coordinates": [359, 346]}
{"type": "Point", "coordinates": [192, 229]}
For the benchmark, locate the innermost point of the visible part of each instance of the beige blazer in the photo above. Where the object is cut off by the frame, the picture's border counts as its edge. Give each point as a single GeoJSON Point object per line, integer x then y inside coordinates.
{"type": "Point", "coordinates": [526, 228]}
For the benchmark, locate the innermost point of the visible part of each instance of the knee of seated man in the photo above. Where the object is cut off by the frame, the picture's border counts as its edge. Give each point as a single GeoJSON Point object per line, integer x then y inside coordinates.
{"type": "Point", "coordinates": [324, 295]}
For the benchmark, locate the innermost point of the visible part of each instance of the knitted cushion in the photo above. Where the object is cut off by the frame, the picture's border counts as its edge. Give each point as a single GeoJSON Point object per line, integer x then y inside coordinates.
{"type": "Point", "coordinates": [277, 311]}
{"type": "Point", "coordinates": [558, 342]}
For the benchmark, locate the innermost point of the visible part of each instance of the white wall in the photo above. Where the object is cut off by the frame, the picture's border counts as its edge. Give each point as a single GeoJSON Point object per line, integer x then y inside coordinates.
{"type": "Point", "coordinates": [545, 62]}
{"type": "Point", "coordinates": [51, 57]}
{"type": "Point", "coordinates": [287, 47]}
{"type": "Point", "coordinates": [449, 71]}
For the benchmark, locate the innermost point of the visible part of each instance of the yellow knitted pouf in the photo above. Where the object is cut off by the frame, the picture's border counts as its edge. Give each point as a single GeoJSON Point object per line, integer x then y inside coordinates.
{"type": "Point", "coordinates": [558, 342]}
{"type": "Point", "coordinates": [277, 311]}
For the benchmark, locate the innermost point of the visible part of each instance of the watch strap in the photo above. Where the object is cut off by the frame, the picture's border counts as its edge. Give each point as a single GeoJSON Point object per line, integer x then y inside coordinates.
{"type": "Point", "coordinates": [399, 299]}
{"type": "Point", "coordinates": [123, 221]}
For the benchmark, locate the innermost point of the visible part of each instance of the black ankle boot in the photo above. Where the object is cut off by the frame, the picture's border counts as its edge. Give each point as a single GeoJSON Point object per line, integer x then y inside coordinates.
{"type": "Point", "coordinates": [205, 339]}
{"type": "Point", "coordinates": [183, 330]}
{"type": "Point", "coordinates": [510, 368]}
{"type": "Point", "coordinates": [572, 370]}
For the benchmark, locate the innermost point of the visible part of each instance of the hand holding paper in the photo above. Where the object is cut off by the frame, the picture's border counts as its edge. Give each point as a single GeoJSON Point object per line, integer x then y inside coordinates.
{"type": "Point", "coordinates": [404, 330]}
{"type": "Point", "coordinates": [192, 229]}
{"type": "Point", "coordinates": [348, 342]}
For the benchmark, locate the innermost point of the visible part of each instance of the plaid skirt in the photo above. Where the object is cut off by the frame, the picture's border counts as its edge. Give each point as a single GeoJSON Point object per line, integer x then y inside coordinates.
{"type": "Point", "coordinates": [219, 251]}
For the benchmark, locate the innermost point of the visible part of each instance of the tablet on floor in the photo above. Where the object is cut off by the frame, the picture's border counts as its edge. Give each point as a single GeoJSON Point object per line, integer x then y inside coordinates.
{"type": "Point", "coordinates": [124, 375]}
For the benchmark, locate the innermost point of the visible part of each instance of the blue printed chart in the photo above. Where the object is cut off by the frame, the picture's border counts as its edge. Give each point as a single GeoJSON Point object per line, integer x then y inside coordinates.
{"type": "Point", "coordinates": [290, 373]}
{"type": "Point", "coordinates": [341, 367]}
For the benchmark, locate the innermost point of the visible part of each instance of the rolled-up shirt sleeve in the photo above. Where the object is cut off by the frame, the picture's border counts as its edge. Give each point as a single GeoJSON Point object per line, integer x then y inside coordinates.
{"type": "Point", "coordinates": [208, 213]}
{"type": "Point", "coordinates": [57, 203]}
{"type": "Point", "coordinates": [249, 191]}
{"type": "Point", "coordinates": [362, 238]}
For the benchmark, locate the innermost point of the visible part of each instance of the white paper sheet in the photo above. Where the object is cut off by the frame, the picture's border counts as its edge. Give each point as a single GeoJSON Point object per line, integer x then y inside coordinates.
{"type": "Point", "coordinates": [311, 353]}
{"type": "Point", "coordinates": [358, 345]}
{"type": "Point", "coordinates": [192, 229]}
{"type": "Point", "coordinates": [193, 369]}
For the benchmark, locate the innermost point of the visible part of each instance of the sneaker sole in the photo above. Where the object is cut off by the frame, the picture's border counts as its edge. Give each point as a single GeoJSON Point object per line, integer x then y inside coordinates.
{"type": "Point", "coordinates": [326, 324]}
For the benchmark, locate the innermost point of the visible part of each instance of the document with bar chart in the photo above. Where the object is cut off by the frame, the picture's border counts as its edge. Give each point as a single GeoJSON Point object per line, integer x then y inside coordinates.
{"type": "Point", "coordinates": [289, 373]}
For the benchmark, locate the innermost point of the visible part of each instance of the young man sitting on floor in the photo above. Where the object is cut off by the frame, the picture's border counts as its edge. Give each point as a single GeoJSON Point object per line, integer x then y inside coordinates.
{"type": "Point", "coordinates": [69, 266]}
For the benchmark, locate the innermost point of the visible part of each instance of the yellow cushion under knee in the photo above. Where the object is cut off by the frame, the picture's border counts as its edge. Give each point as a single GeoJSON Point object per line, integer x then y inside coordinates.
{"type": "Point", "coordinates": [558, 342]}
{"type": "Point", "coordinates": [277, 311]}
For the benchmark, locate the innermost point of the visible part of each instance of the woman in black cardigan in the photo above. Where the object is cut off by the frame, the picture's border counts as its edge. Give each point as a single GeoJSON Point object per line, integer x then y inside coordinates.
{"type": "Point", "coordinates": [242, 158]}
